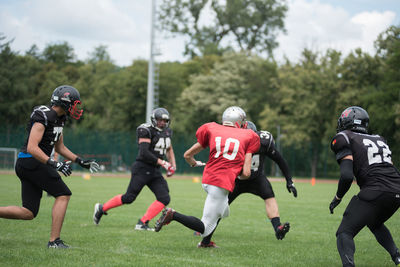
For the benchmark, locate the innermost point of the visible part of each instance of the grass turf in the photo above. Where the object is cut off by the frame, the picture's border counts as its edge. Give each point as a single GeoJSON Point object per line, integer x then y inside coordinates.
{"type": "Point", "coordinates": [245, 238]}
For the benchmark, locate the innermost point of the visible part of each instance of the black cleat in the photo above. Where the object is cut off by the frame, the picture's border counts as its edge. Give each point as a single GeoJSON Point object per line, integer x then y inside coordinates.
{"type": "Point", "coordinates": [143, 226]}
{"type": "Point", "coordinates": [98, 212]}
{"type": "Point", "coordinates": [209, 245]}
{"type": "Point", "coordinates": [57, 243]}
{"type": "Point", "coordinates": [396, 259]}
{"type": "Point", "coordinates": [166, 218]}
{"type": "Point", "coordinates": [281, 230]}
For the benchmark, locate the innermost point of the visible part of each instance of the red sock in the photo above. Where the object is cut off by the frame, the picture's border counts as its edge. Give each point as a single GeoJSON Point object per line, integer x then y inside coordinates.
{"type": "Point", "coordinates": [112, 203]}
{"type": "Point", "coordinates": [154, 209]}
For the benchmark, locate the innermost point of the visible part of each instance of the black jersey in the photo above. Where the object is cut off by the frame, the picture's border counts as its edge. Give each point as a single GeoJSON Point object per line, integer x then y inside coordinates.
{"type": "Point", "coordinates": [372, 160]}
{"type": "Point", "coordinates": [160, 140]}
{"type": "Point", "coordinates": [53, 128]}
{"type": "Point", "coordinates": [267, 148]}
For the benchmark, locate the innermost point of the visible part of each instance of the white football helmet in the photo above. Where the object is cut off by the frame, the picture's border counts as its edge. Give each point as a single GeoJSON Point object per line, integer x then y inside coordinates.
{"type": "Point", "coordinates": [234, 116]}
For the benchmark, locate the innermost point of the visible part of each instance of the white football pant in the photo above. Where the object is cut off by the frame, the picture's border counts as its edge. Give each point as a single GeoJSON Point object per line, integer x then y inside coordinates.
{"type": "Point", "coordinates": [215, 207]}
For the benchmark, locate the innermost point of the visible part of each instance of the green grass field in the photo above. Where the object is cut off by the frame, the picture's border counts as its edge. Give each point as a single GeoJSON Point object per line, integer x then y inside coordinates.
{"type": "Point", "coordinates": [245, 238]}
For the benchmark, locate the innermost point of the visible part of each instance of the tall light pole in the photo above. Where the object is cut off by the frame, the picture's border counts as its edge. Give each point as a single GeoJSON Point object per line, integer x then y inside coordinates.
{"type": "Point", "coordinates": [150, 76]}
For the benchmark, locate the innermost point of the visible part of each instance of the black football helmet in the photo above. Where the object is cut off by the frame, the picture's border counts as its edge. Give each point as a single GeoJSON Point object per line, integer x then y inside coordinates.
{"type": "Point", "coordinates": [68, 98]}
{"type": "Point", "coordinates": [353, 118]}
{"type": "Point", "coordinates": [160, 114]}
{"type": "Point", "coordinates": [250, 125]}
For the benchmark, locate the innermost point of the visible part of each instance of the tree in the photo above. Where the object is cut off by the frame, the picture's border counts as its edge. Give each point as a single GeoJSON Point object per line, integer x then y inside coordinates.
{"type": "Point", "coordinates": [306, 103]}
{"type": "Point", "coordinates": [99, 53]}
{"type": "Point", "coordinates": [227, 84]}
{"type": "Point", "coordinates": [384, 104]}
{"type": "Point", "coordinates": [59, 53]}
{"type": "Point", "coordinates": [253, 24]}
{"type": "Point", "coordinates": [16, 94]}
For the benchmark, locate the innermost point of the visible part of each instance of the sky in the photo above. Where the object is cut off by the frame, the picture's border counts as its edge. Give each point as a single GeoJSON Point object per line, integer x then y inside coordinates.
{"type": "Point", "coordinates": [123, 26]}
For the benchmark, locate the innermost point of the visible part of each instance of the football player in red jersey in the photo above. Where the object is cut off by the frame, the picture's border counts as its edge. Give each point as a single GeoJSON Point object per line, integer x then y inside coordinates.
{"type": "Point", "coordinates": [230, 156]}
{"type": "Point", "coordinates": [369, 159]}
{"type": "Point", "coordinates": [259, 185]}
{"type": "Point", "coordinates": [37, 170]}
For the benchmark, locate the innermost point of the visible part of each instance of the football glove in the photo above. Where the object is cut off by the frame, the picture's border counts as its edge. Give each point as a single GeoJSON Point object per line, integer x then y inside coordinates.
{"type": "Point", "coordinates": [63, 167]}
{"type": "Point", "coordinates": [291, 188]}
{"type": "Point", "coordinates": [334, 203]}
{"type": "Point", "coordinates": [166, 165]}
{"type": "Point", "coordinates": [198, 164]}
{"type": "Point", "coordinates": [90, 164]}
{"type": "Point", "coordinates": [170, 171]}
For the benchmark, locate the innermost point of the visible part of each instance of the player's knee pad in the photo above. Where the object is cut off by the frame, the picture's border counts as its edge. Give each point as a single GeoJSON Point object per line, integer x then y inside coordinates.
{"type": "Point", "coordinates": [164, 199]}
{"type": "Point", "coordinates": [225, 213]}
{"type": "Point", "coordinates": [128, 198]}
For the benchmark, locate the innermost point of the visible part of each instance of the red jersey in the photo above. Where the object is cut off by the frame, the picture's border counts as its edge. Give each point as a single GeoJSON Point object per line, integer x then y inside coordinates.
{"type": "Point", "coordinates": [228, 147]}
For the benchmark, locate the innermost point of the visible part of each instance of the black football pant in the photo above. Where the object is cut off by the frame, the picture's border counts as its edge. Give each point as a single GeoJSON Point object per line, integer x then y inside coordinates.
{"type": "Point", "coordinates": [259, 186]}
{"type": "Point", "coordinates": [144, 174]}
{"type": "Point", "coordinates": [36, 177]}
{"type": "Point", "coordinates": [369, 208]}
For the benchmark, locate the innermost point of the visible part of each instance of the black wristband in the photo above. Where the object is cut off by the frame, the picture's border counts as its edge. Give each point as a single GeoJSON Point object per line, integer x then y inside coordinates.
{"type": "Point", "coordinates": [78, 160]}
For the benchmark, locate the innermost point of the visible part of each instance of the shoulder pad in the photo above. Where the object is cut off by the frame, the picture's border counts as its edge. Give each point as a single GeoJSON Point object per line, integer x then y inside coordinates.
{"type": "Point", "coordinates": [144, 125]}
{"type": "Point", "coordinates": [340, 145]}
{"type": "Point", "coordinates": [266, 138]}
{"type": "Point", "coordinates": [43, 114]}
{"type": "Point", "coordinates": [143, 131]}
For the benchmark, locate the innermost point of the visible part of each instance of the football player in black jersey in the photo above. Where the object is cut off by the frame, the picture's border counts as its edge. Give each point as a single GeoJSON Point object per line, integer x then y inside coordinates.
{"type": "Point", "coordinates": [259, 185]}
{"type": "Point", "coordinates": [154, 141]}
{"type": "Point", "coordinates": [36, 169]}
{"type": "Point", "coordinates": [369, 158]}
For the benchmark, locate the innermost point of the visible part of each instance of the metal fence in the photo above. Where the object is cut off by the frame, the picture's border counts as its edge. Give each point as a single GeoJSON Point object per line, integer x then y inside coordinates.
{"type": "Point", "coordinates": [116, 151]}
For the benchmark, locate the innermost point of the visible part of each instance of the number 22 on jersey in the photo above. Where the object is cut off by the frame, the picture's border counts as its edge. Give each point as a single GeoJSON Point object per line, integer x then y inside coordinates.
{"type": "Point", "coordinates": [373, 152]}
{"type": "Point", "coordinates": [225, 153]}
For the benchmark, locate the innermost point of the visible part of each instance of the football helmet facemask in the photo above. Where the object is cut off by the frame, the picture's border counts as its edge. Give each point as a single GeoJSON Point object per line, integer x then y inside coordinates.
{"type": "Point", "coordinates": [353, 118]}
{"type": "Point", "coordinates": [234, 116]}
{"type": "Point", "coordinates": [250, 125]}
{"type": "Point", "coordinates": [160, 114]}
{"type": "Point", "coordinates": [68, 98]}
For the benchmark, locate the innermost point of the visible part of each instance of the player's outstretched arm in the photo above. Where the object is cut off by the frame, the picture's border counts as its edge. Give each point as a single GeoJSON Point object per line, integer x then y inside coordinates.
{"type": "Point", "coordinates": [191, 152]}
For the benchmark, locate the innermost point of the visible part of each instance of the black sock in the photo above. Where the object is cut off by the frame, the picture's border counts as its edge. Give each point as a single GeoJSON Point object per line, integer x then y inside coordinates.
{"type": "Point", "coordinates": [276, 221]}
{"type": "Point", "coordinates": [189, 221]}
{"type": "Point", "coordinates": [207, 239]}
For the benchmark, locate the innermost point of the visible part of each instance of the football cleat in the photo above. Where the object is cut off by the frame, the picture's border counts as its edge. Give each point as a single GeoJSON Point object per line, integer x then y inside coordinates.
{"type": "Point", "coordinates": [281, 230]}
{"type": "Point", "coordinates": [209, 245]}
{"type": "Point", "coordinates": [143, 226]}
{"type": "Point", "coordinates": [396, 259]}
{"type": "Point", "coordinates": [98, 212]}
{"type": "Point", "coordinates": [166, 217]}
{"type": "Point", "coordinates": [57, 243]}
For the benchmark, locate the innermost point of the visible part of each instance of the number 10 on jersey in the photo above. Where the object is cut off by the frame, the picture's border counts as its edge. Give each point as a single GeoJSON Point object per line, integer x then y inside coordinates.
{"type": "Point", "coordinates": [225, 153]}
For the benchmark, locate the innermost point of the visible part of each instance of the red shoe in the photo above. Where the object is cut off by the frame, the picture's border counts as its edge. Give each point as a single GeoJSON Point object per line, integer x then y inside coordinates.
{"type": "Point", "coordinates": [209, 245]}
{"type": "Point", "coordinates": [166, 218]}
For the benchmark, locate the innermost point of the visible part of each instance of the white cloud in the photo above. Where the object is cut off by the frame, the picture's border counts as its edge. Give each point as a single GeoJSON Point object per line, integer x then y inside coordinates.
{"type": "Point", "coordinates": [319, 26]}
{"type": "Point", "coordinates": [124, 27]}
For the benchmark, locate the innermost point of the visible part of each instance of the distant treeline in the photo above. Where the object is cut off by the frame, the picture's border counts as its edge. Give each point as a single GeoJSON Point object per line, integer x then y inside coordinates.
{"type": "Point", "coordinates": [298, 102]}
